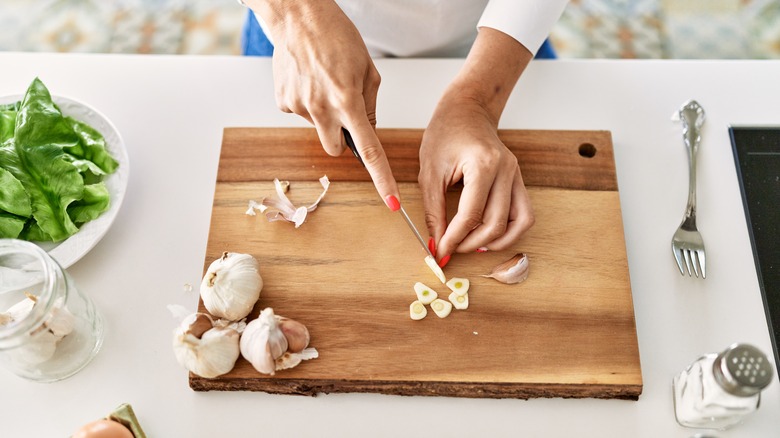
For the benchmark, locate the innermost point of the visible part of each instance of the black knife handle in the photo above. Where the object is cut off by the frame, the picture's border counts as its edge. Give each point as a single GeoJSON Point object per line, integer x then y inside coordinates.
{"type": "Point", "coordinates": [351, 145]}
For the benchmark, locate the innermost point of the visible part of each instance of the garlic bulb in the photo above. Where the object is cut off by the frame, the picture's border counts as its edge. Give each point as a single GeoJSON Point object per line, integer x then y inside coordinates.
{"type": "Point", "coordinates": [231, 286]}
{"type": "Point", "coordinates": [514, 270]}
{"type": "Point", "coordinates": [263, 342]}
{"type": "Point", "coordinates": [204, 349]}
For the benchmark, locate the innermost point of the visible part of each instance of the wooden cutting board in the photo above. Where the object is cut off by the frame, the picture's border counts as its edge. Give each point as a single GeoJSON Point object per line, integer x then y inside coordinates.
{"type": "Point", "coordinates": [348, 271]}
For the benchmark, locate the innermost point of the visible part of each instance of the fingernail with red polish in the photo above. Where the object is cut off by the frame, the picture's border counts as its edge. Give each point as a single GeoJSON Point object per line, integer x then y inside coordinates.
{"type": "Point", "coordinates": [392, 203]}
{"type": "Point", "coordinates": [444, 260]}
{"type": "Point", "coordinates": [432, 246]}
{"type": "Point", "coordinates": [482, 249]}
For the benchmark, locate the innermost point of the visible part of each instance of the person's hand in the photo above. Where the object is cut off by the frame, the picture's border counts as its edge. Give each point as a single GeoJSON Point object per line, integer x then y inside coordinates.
{"type": "Point", "coordinates": [494, 210]}
{"type": "Point", "coordinates": [324, 73]}
{"type": "Point", "coordinates": [461, 143]}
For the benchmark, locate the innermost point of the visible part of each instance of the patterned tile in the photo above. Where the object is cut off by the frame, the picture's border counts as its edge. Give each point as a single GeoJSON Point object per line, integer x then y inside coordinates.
{"type": "Point", "coordinates": [587, 29]}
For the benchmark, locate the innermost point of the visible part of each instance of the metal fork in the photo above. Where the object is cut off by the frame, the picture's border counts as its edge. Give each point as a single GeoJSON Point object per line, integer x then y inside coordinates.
{"type": "Point", "coordinates": [687, 243]}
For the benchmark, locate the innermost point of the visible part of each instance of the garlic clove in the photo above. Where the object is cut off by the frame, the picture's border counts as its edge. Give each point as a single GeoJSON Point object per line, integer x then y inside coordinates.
{"type": "Point", "coordinates": [514, 270]}
{"type": "Point", "coordinates": [231, 286]}
{"type": "Point", "coordinates": [441, 308]}
{"type": "Point", "coordinates": [417, 310]}
{"type": "Point", "coordinates": [61, 322]}
{"type": "Point", "coordinates": [19, 310]}
{"type": "Point", "coordinates": [461, 302]}
{"type": "Point", "coordinates": [431, 262]}
{"type": "Point", "coordinates": [39, 348]}
{"type": "Point", "coordinates": [459, 285]}
{"type": "Point", "coordinates": [205, 351]}
{"type": "Point", "coordinates": [425, 294]}
{"type": "Point", "coordinates": [263, 342]}
{"type": "Point", "coordinates": [297, 334]}
{"type": "Point", "coordinates": [197, 324]}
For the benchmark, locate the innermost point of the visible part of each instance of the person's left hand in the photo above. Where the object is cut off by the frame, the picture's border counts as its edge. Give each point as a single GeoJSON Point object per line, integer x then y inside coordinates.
{"type": "Point", "coordinates": [461, 142]}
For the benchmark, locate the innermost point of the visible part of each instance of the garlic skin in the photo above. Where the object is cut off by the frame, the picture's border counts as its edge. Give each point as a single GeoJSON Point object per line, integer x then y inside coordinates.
{"type": "Point", "coordinates": [231, 286]}
{"type": "Point", "coordinates": [291, 360]}
{"type": "Point", "coordinates": [512, 271]}
{"type": "Point", "coordinates": [263, 342]}
{"type": "Point", "coordinates": [297, 334]}
{"type": "Point", "coordinates": [203, 349]}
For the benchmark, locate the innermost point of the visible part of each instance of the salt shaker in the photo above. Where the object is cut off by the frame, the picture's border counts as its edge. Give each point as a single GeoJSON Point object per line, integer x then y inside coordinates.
{"type": "Point", "coordinates": [719, 390]}
{"type": "Point", "coordinates": [49, 330]}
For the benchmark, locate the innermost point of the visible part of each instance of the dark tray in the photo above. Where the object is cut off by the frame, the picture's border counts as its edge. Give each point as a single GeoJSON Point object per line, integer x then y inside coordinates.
{"type": "Point", "coordinates": [757, 157]}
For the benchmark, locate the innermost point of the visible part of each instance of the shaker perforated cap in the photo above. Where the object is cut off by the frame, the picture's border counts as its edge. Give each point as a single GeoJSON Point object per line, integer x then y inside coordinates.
{"type": "Point", "coordinates": [742, 370]}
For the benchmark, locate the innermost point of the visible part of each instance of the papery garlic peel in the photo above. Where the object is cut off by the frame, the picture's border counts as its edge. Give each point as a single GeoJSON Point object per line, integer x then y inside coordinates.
{"type": "Point", "coordinates": [512, 271]}
{"type": "Point", "coordinates": [231, 286]}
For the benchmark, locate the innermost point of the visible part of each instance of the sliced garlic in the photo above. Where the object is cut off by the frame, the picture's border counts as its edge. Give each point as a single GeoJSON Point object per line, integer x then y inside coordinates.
{"type": "Point", "coordinates": [431, 262]}
{"type": "Point", "coordinates": [263, 342]}
{"type": "Point", "coordinates": [459, 285]}
{"type": "Point", "coordinates": [417, 310]}
{"type": "Point", "coordinates": [514, 270]}
{"type": "Point", "coordinates": [203, 349]}
{"type": "Point", "coordinates": [441, 307]}
{"type": "Point", "coordinates": [231, 286]}
{"type": "Point", "coordinates": [425, 294]}
{"type": "Point", "coordinates": [461, 302]}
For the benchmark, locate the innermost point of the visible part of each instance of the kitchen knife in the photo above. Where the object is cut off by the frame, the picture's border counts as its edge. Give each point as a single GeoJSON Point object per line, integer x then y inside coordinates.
{"type": "Point", "coordinates": [351, 146]}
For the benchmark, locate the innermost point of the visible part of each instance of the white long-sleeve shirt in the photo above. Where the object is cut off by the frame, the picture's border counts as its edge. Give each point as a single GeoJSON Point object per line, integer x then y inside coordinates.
{"type": "Point", "coordinates": [446, 28]}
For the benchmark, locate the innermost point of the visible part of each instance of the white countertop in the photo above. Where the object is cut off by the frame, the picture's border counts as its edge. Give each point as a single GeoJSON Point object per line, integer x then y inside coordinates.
{"type": "Point", "coordinates": [171, 112]}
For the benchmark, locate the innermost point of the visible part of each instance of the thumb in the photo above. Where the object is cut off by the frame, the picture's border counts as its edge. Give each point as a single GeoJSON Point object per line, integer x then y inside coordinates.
{"type": "Point", "coordinates": [374, 158]}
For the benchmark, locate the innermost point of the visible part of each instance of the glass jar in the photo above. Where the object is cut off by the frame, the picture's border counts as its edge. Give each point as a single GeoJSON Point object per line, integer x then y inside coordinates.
{"type": "Point", "coordinates": [719, 390]}
{"type": "Point", "coordinates": [49, 330]}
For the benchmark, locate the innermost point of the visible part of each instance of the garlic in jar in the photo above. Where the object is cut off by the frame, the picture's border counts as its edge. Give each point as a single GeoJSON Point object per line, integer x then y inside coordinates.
{"type": "Point", "coordinates": [231, 286]}
{"type": "Point", "coordinates": [263, 342]}
{"type": "Point", "coordinates": [42, 341]}
{"type": "Point", "coordinates": [204, 348]}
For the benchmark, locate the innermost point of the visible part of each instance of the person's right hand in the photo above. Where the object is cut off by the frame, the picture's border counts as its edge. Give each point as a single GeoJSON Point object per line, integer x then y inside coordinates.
{"type": "Point", "coordinates": [324, 73]}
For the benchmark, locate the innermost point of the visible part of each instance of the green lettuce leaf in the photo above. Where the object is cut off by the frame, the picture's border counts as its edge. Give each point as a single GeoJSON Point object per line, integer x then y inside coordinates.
{"type": "Point", "coordinates": [13, 198]}
{"type": "Point", "coordinates": [10, 225]}
{"type": "Point", "coordinates": [51, 170]}
{"type": "Point", "coordinates": [94, 202]}
{"type": "Point", "coordinates": [52, 183]}
{"type": "Point", "coordinates": [33, 233]}
{"type": "Point", "coordinates": [91, 146]}
{"type": "Point", "coordinates": [7, 125]}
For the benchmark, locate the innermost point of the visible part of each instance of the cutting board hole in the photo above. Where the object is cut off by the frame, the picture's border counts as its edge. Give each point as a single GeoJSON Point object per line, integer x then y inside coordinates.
{"type": "Point", "coordinates": [587, 150]}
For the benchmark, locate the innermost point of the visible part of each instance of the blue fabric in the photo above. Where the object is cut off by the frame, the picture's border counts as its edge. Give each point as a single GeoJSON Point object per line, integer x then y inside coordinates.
{"type": "Point", "coordinates": [255, 43]}
{"type": "Point", "coordinates": [253, 39]}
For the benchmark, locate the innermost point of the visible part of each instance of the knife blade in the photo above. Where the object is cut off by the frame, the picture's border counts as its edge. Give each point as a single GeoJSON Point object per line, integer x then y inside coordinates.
{"type": "Point", "coordinates": [353, 148]}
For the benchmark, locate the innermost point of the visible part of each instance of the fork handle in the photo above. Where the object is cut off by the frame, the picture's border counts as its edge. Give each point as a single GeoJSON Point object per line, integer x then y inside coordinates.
{"type": "Point", "coordinates": [692, 117]}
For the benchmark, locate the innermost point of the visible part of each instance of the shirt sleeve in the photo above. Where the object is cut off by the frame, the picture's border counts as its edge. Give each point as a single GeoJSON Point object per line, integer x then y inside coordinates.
{"type": "Point", "coordinates": [527, 21]}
